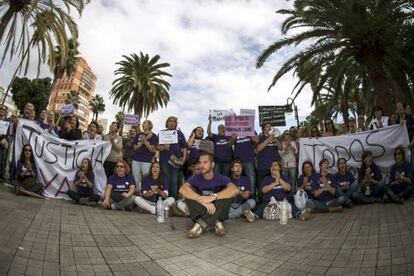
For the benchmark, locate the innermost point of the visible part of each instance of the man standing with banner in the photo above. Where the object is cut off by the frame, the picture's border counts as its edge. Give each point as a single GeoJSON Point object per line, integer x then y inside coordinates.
{"type": "Point", "coordinates": [57, 160]}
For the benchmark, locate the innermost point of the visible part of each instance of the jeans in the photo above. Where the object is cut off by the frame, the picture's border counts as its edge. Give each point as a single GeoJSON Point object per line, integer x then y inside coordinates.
{"type": "Point", "coordinates": [151, 206]}
{"type": "Point", "coordinates": [76, 196]}
{"type": "Point", "coordinates": [398, 196]}
{"type": "Point", "coordinates": [123, 203]}
{"type": "Point", "coordinates": [236, 209]}
{"type": "Point", "coordinates": [199, 214]}
{"type": "Point", "coordinates": [140, 170]}
{"type": "Point", "coordinates": [174, 175]}
{"type": "Point", "coordinates": [324, 205]}
{"type": "Point", "coordinates": [250, 172]}
{"type": "Point", "coordinates": [290, 173]}
{"type": "Point", "coordinates": [359, 197]}
{"type": "Point", "coordinates": [222, 168]}
{"type": "Point", "coordinates": [348, 193]}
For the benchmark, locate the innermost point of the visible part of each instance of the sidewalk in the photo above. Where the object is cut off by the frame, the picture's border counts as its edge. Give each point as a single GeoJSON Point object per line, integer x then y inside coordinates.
{"type": "Point", "coordinates": [56, 237]}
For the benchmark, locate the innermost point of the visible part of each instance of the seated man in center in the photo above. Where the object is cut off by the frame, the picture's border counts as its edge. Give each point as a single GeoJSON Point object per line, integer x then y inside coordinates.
{"type": "Point", "coordinates": [208, 197]}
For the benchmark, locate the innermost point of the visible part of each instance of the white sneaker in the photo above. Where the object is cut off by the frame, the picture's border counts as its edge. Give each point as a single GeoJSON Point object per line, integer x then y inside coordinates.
{"type": "Point", "coordinates": [183, 207]}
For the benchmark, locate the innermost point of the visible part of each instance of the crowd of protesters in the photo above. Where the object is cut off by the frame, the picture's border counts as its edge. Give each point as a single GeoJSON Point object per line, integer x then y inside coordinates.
{"type": "Point", "coordinates": [238, 179]}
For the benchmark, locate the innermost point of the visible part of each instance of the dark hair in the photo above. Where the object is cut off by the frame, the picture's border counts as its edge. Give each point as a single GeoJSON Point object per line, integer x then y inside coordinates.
{"type": "Point", "coordinates": [264, 125]}
{"type": "Point", "coordinates": [70, 118]}
{"type": "Point", "coordinates": [195, 129]}
{"type": "Point", "coordinates": [22, 159]}
{"type": "Point", "coordinates": [160, 179]}
{"type": "Point", "coordinates": [171, 117]}
{"type": "Point", "coordinates": [95, 123]}
{"type": "Point", "coordinates": [337, 163]}
{"type": "Point", "coordinates": [278, 163]}
{"type": "Point", "coordinates": [117, 126]}
{"type": "Point", "coordinates": [363, 165]}
{"type": "Point", "coordinates": [323, 161]}
{"type": "Point", "coordinates": [209, 155]}
{"type": "Point", "coordinates": [235, 161]}
{"type": "Point", "coordinates": [309, 163]}
{"type": "Point", "coordinates": [333, 126]}
{"type": "Point", "coordinates": [317, 131]}
{"type": "Point", "coordinates": [378, 108]}
{"type": "Point", "coordinates": [400, 149]}
{"type": "Point", "coordinates": [89, 169]}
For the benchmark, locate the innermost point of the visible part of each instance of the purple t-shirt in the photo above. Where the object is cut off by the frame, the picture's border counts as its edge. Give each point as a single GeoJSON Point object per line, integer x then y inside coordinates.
{"type": "Point", "coordinates": [46, 127]}
{"type": "Point", "coordinates": [375, 174]}
{"type": "Point", "coordinates": [342, 181]}
{"type": "Point", "coordinates": [277, 192]}
{"type": "Point", "coordinates": [176, 149]}
{"type": "Point", "coordinates": [21, 167]}
{"type": "Point", "coordinates": [405, 170]}
{"type": "Point", "coordinates": [147, 182]}
{"type": "Point", "coordinates": [194, 153]}
{"type": "Point", "coordinates": [121, 184]}
{"type": "Point", "coordinates": [267, 155]}
{"type": "Point", "coordinates": [244, 150]}
{"type": "Point", "coordinates": [208, 187]}
{"type": "Point", "coordinates": [83, 189]}
{"type": "Point", "coordinates": [222, 151]}
{"type": "Point", "coordinates": [325, 195]}
{"type": "Point", "coordinates": [244, 185]}
{"type": "Point", "coordinates": [143, 154]}
{"type": "Point", "coordinates": [312, 180]}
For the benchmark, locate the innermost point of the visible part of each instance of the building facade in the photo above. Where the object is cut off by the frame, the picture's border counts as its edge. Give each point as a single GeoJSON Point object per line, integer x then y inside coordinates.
{"type": "Point", "coordinates": [11, 105]}
{"type": "Point", "coordinates": [82, 80]}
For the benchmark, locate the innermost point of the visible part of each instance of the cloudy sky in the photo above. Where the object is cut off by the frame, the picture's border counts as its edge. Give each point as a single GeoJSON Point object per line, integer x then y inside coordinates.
{"type": "Point", "coordinates": [212, 47]}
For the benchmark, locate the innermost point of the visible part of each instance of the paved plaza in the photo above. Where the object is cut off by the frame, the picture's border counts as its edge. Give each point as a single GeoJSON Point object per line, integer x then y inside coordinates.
{"type": "Point", "coordinates": [56, 237]}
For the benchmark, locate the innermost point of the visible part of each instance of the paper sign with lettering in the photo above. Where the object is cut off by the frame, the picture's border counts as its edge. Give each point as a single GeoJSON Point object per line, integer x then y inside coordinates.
{"type": "Point", "coordinates": [3, 127]}
{"type": "Point", "coordinates": [67, 109]}
{"type": "Point", "coordinates": [58, 160]}
{"type": "Point", "coordinates": [131, 119]}
{"type": "Point", "coordinates": [205, 145]}
{"type": "Point", "coordinates": [242, 125]}
{"type": "Point", "coordinates": [272, 114]}
{"type": "Point", "coordinates": [251, 112]}
{"type": "Point", "coordinates": [168, 137]}
{"type": "Point", "coordinates": [219, 114]}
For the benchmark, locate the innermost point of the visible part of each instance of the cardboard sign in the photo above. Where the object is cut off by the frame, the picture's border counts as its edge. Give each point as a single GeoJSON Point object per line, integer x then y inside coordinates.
{"type": "Point", "coordinates": [205, 145]}
{"type": "Point", "coordinates": [168, 137]}
{"type": "Point", "coordinates": [249, 112]}
{"type": "Point", "coordinates": [67, 110]}
{"type": "Point", "coordinates": [131, 119]}
{"type": "Point", "coordinates": [242, 125]}
{"type": "Point", "coordinates": [219, 114]}
{"type": "Point", "coordinates": [4, 126]}
{"type": "Point", "coordinates": [272, 114]}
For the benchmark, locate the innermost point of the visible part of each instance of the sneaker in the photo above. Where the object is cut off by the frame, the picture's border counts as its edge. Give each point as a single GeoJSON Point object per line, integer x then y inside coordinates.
{"type": "Point", "coordinates": [182, 206]}
{"type": "Point", "coordinates": [195, 232]}
{"type": "Point", "coordinates": [248, 214]}
{"type": "Point", "coordinates": [83, 201]}
{"type": "Point", "coordinates": [305, 214]}
{"type": "Point", "coordinates": [220, 230]}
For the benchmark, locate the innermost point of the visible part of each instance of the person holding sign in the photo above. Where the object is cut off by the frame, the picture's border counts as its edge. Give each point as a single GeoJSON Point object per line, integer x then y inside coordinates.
{"type": "Point", "coordinates": [401, 186]}
{"type": "Point", "coordinates": [196, 135]}
{"type": "Point", "coordinates": [49, 125]}
{"type": "Point", "coordinates": [84, 182]}
{"type": "Point", "coordinates": [144, 150]}
{"type": "Point", "coordinates": [116, 149]}
{"type": "Point", "coordinates": [223, 152]}
{"type": "Point", "coordinates": [369, 179]}
{"type": "Point", "coordinates": [119, 192]}
{"type": "Point", "coordinates": [173, 156]}
{"type": "Point", "coordinates": [26, 172]}
{"type": "Point", "coordinates": [267, 151]}
{"type": "Point", "coordinates": [70, 130]}
{"type": "Point", "coordinates": [153, 186]}
{"type": "Point", "coordinates": [208, 197]}
{"type": "Point", "coordinates": [324, 191]}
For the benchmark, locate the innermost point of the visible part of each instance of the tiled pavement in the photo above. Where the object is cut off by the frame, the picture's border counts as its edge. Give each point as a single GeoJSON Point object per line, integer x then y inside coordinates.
{"type": "Point", "coordinates": [55, 237]}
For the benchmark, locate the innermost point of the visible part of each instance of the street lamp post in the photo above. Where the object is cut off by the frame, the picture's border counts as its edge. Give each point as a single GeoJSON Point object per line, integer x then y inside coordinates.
{"type": "Point", "coordinates": [295, 109]}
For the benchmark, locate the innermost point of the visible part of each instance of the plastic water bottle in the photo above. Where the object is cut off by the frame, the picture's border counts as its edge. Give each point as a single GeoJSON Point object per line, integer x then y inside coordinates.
{"type": "Point", "coordinates": [285, 212]}
{"type": "Point", "coordinates": [160, 211]}
{"type": "Point", "coordinates": [166, 210]}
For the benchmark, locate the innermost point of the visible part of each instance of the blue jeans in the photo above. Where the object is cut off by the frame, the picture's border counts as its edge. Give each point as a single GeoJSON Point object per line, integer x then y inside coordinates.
{"type": "Point", "coordinates": [250, 172]}
{"type": "Point", "coordinates": [324, 205]}
{"type": "Point", "coordinates": [260, 175]}
{"type": "Point", "coordinates": [348, 193]}
{"type": "Point", "coordinates": [236, 209]}
{"type": "Point", "coordinates": [222, 168]}
{"type": "Point", "coordinates": [359, 197]}
{"type": "Point", "coordinates": [290, 173]}
{"type": "Point", "coordinates": [174, 176]}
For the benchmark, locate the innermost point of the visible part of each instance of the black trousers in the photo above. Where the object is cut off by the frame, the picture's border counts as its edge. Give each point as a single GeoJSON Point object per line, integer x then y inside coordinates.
{"type": "Point", "coordinates": [198, 211]}
{"type": "Point", "coordinates": [76, 197]}
{"type": "Point", "coordinates": [396, 197]}
{"type": "Point", "coordinates": [109, 168]}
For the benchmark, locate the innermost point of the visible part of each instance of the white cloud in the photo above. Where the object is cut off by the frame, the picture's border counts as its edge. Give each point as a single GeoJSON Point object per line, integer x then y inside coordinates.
{"type": "Point", "coordinates": [212, 47]}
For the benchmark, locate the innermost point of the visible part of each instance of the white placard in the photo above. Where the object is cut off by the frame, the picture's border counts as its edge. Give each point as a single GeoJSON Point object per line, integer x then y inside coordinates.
{"type": "Point", "coordinates": [249, 112]}
{"type": "Point", "coordinates": [219, 114]}
{"type": "Point", "coordinates": [4, 126]}
{"type": "Point", "coordinates": [57, 160]}
{"type": "Point", "coordinates": [168, 137]}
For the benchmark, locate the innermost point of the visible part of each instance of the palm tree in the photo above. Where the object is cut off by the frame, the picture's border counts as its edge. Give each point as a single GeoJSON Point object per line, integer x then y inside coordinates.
{"type": "Point", "coordinates": [39, 25]}
{"type": "Point", "coordinates": [73, 98]}
{"type": "Point", "coordinates": [64, 63]}
{"type": "Point", "coordinates": [119, 117]}
{"type": "Point", "coordinates": [140, 85]}
{"type": "Point", "coordinates": [347, 36]}
{"type": "Point", "coordinates": [97, 105]}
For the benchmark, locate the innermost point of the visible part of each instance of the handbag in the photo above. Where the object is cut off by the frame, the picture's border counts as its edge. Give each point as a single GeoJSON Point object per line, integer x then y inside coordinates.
{"type": "Point", "coordinates": [273, 210]}
{"type": "Point", "coordinates": [175, 162]}
{"type": "Point", "coordinates": [300, 198]}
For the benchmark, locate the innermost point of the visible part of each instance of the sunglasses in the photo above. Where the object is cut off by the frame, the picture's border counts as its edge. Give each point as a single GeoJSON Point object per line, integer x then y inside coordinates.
{"type": "Point", "coordinates": [28, 150]}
